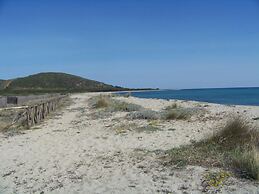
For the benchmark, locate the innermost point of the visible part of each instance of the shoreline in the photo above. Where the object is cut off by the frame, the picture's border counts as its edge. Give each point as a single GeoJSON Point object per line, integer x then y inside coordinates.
{"type": "Point", "coordinates": [83, 148]}
{"type": "Point", "coordinates": [192, 101]}
{"type": "Point", "coordinates": [198, 101]}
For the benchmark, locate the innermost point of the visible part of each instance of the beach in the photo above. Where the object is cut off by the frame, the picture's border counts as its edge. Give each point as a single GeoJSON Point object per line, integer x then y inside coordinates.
{"type": "Point", "coordinates": [83, 150]}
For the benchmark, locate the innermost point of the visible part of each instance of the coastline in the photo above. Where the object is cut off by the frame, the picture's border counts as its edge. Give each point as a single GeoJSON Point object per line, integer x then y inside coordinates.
{"type": "Point", "coordinates": [92, 151]}
{"type": "Point", "coordinates": [232, 96]}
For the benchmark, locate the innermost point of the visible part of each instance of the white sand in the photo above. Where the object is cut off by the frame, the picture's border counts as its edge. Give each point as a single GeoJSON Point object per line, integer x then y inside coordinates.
{"type": "Point", "coordinates": [73, 153]}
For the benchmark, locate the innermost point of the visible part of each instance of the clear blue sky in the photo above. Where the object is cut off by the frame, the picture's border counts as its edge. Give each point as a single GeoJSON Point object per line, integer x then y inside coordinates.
{"type": "Point", "coordinates": [134, 43]}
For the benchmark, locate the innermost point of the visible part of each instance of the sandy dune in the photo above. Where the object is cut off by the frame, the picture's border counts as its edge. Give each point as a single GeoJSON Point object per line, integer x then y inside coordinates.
{"type": "Point", "coordinates": [74, 153]}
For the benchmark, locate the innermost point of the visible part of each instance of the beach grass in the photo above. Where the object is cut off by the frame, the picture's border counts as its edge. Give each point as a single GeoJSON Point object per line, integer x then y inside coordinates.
{"type": "Point", "coordinates": [110, 104]}
{"type": "Point", "coordinates": [235, 147]}
{"type": "Point", "coordinates": [101, 102]}
{"type": "Point", "coordinates": [180, 113]}
{"type": "Point", "coordinates": [177, 114]}
{"type": "Point", "coordinates": [173, 112]}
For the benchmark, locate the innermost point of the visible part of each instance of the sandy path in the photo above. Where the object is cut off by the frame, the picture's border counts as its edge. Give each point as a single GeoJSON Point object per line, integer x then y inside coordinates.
{"type": "Point", "coordinates": [72, 153]}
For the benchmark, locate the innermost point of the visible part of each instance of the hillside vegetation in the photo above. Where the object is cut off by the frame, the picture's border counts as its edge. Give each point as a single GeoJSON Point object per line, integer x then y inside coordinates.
{"type": "Point", "coordinates": [1, 84]}
{"type": "Point", "coordinates": [54, 82]}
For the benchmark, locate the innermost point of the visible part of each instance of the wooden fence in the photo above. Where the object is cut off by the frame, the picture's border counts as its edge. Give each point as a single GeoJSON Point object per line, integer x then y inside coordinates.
{"type": "Point", "coordinates": [34, 114]}
{"type": "Point", "coordinates": [11, 101]}
{"type": "Point", "coordinates": [37, 113]}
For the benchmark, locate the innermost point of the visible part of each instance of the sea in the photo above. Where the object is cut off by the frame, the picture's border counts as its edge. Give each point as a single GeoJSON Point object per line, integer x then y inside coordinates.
{"type": "Point", "coordinates": [228, 96]}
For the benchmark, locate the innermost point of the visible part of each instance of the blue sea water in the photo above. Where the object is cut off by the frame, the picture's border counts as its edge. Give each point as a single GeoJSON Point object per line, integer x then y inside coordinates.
{"type": "Point", "coordinates": [229, 96]}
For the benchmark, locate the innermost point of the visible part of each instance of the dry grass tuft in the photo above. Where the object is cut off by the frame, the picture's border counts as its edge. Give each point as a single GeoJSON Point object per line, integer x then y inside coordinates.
{"type": "Point", "coordinates": [247, 163]}
{"type": "Point", "coordinates": [100, 102]}
{"type": "Point", "coordinates": [7, 117]}
{"type": "Point", "coordinates": [112, 105]}
{"type": "Point", "coordinates": [237, 132]}
{"type": "Point", "coordinates": [123, 128]}
{"type": "Point", "coordinates": [234, 147]}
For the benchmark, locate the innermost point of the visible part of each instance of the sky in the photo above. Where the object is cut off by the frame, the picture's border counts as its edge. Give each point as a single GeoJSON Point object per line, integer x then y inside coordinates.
{"type": "Point", "coordinates": [168, 44]}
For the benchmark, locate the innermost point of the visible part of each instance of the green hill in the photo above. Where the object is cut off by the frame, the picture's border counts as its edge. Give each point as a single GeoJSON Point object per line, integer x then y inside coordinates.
{"type": "Point", "coordinates": [1, 83]}
{"type": "Point", "coordinates": [54, 82]}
